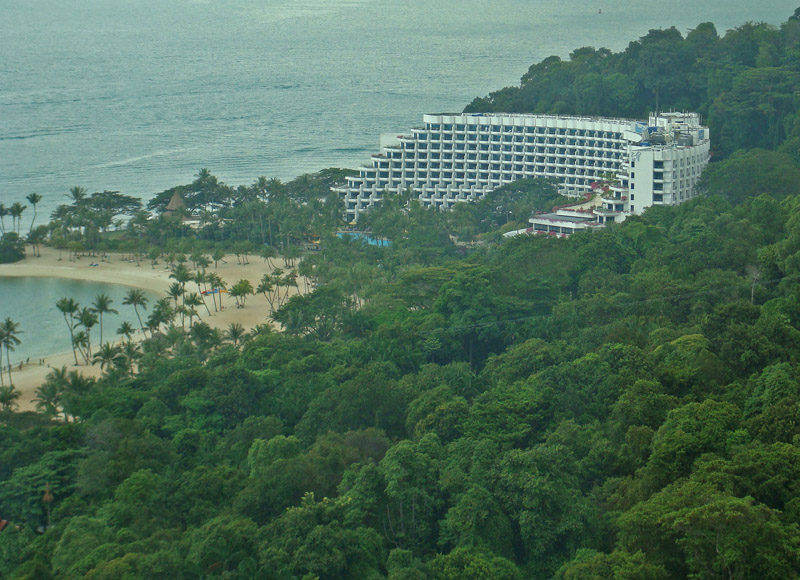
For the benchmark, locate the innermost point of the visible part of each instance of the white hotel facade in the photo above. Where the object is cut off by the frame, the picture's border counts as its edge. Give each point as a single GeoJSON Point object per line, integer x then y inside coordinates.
{"type": "Point", "coordinates": [460, 157]}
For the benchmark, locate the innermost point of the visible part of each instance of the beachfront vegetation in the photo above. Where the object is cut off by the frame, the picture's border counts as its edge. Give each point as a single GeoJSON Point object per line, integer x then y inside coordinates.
{"type": "Point", "coordinates": [9, 340]}
{"type": "Point", "coordinates": [617, 403]}
{"type": "Point", "coordinates": [12, 248]}
{"type": "Point", "coordinates": [620, 404]}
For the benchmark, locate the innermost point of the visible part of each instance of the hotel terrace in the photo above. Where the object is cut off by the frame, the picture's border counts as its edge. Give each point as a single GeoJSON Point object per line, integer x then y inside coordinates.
{"type": "Point", "coordinates": [462, 157]}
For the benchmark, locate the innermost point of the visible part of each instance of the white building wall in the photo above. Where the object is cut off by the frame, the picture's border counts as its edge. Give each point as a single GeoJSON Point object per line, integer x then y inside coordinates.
{"type": "Point", "coordinates": [460, 157]}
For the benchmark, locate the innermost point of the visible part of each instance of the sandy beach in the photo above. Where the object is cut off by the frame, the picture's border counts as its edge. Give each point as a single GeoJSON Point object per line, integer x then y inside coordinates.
{"type": "Point", "coordinates": [115, 269]}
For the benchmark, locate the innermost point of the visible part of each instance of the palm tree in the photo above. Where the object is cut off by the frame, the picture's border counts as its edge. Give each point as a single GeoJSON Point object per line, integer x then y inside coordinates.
{"type": "Point", "coordinates": [136, 298]}
{"type": "Point", "coordinates": [75, 387]}
{"type": "Point", "coordinates": [60, 377]}
{"type": "Point", "coordinates": [277, 282]}
{"type": "Point", "coordinates": [175, 336]}
{"type": "Point", "coordinates": [132, 354]}
{"type": "Point", "coordinates": [217, 255]}
{"type": "Point", "coordinates": [175, 291]}
{"type": "Point", "coordinates": [80, 341]}
{"type": "Point", "coordinates": [289, 281]}
{"type": "Point", "coordinates": [266, 287]}
{"type": "Point", "coordinates": [217, 286]}
{"type": "Point", "coordinates": [181, 274]}
{"type": "Point", "coordinates": [8, 339]}
{"type": "Point", "coordinates": [268, 252]}
{"type": "Point", "coordinates": [68, 307]}
{"type": "Point", "coordinates": [162, 314]}
{"type": "Point", "coordinates": [109, 355]}
{"type": "Point", "coordinates": [192, 300]}
{"type": "Point", "coordinates": [48, 398]}
{"type": "Point", "coordinates": [35, 238]}
{"type": "Point", "coordinates": [235, 332]}
{"type": "Point", "coordinates": [201, 278]}
{"type": "Point", "coordinates": [78, 195]}
{"type": "Point", "coordinates": [33, 199]}
{"type": "Point", "coordinates": [183, 312]}
{"type": "Point", "coordinates": [205, 338]}
{"type": "Point", "coordinates": [8, 397]}
{"type": "Point", "coordinates": [240, 291]}
{"type": "Point", "coordinates": [290, 255]}
{"type": "Point", "coordinates": [102, 305]}
{"type": "Point", "coordinates": [50, 395]}
{"type": "Point", "coordinates": [16, 210]}
{"type": "Point", "coordinates": [3, 214]}
{"type": "Point", "coordinates": [306, 271]}
{"type": "Point", "coordinates": [125, 329]}
{"type": "Point", "coordinates": [88, 318]}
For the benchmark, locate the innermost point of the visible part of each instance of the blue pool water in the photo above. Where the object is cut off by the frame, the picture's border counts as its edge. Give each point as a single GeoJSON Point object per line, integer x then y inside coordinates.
{"type": "Point", "coordinates": [368, 239]}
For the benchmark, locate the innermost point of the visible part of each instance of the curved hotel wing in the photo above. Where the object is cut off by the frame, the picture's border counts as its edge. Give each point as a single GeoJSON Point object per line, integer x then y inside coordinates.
{"type": "Point", "coordinates": [459, 157]}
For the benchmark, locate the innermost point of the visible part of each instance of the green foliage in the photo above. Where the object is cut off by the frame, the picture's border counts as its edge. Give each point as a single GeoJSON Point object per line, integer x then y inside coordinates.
{"type": "Point", "coordinates": [749, 173]}
{"type": "Point", "coordinates": [12, 248]}
{"type": "Point", "coordinates": [694, 529]}
{"type": "Point", "coordinates": [688, 432]}
{"type": "Point", "coordinates": [622, 404]}
{"type": "Point", "coordinates": [466, 563]}
{"type": "Point", "coordinates": [310, 541]}
{"type": "Point", "coordinates": [618, 565]}
{"type": "Point", "coordinates": [745, 83]}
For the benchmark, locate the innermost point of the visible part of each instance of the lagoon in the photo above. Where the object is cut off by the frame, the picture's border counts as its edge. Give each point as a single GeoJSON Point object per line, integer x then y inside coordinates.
{"type": "Point", "coordinates": [31, 303]}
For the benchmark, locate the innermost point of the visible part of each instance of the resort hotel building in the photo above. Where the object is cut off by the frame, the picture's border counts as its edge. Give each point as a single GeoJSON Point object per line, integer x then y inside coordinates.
{"type": "Point", "coordinates": [458, 157]}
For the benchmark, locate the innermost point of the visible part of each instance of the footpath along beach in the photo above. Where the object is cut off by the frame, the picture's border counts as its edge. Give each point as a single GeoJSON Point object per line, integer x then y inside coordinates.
{"type": "Point", "coordinates": [116, 269]}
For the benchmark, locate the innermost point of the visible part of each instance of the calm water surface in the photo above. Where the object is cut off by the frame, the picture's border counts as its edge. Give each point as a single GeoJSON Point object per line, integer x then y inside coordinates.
{"type": "Point", "coordinates": [31, 303]}
{"type": "Point", "coordinates": [137, 96]}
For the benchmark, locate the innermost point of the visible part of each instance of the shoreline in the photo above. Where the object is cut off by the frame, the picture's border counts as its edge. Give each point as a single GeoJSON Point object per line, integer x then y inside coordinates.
{"type": "Point", "coordinates": [119, 271]}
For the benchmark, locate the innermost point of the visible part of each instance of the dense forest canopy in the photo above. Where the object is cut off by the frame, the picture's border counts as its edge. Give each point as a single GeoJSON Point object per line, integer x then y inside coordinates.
{"type": "Point", "coordinates": [744, 83]}
{"type": "Point", "coordinates": [623, 404]}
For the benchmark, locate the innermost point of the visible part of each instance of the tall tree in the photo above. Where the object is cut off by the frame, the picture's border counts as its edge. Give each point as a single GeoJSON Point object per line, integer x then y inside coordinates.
{"type": "Point", "coordinates": [16, 210]}
{"type": "Point", "coordinates": [33, 199]}
{"type": "Point", "coordinates": [235, 333]}
{"type": "Point", "coordinates": [8, 397]}
{"type": "Point", "coordinates": [102, 305]}
{"type": "Point", "coordinates": [69, 307]}
{"type": "Point", "coordinates": [87, 318]}
{"type": "Point", "coordinates": [191, 302]}
{"type": "Point", "coordinates": [78, 195]}
{"type": "Point", "coordinates": [125, 329]}
{"type": "Point", "coordinates": [9, 340]}
{"type": "Point", "coordinates": [136, 298]}
{"type": "Point", "coordinates": [109, 355]}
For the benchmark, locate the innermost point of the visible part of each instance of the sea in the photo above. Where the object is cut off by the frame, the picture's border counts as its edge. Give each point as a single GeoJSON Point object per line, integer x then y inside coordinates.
{"type": "Point", "coordinates": [137, 97]}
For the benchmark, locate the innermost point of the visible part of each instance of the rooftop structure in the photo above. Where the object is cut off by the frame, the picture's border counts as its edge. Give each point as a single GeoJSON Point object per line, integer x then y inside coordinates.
{"type": "Point", "coordinates": [175, 203]}
{"type": "Point", "coordinates": [459, 157]}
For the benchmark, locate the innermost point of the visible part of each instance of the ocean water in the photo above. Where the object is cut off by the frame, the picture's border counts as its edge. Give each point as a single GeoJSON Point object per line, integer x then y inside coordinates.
{"type": "Point", "coordinates": [30, 302]}
{"type": "Point", "coordinates": [138, 96]}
